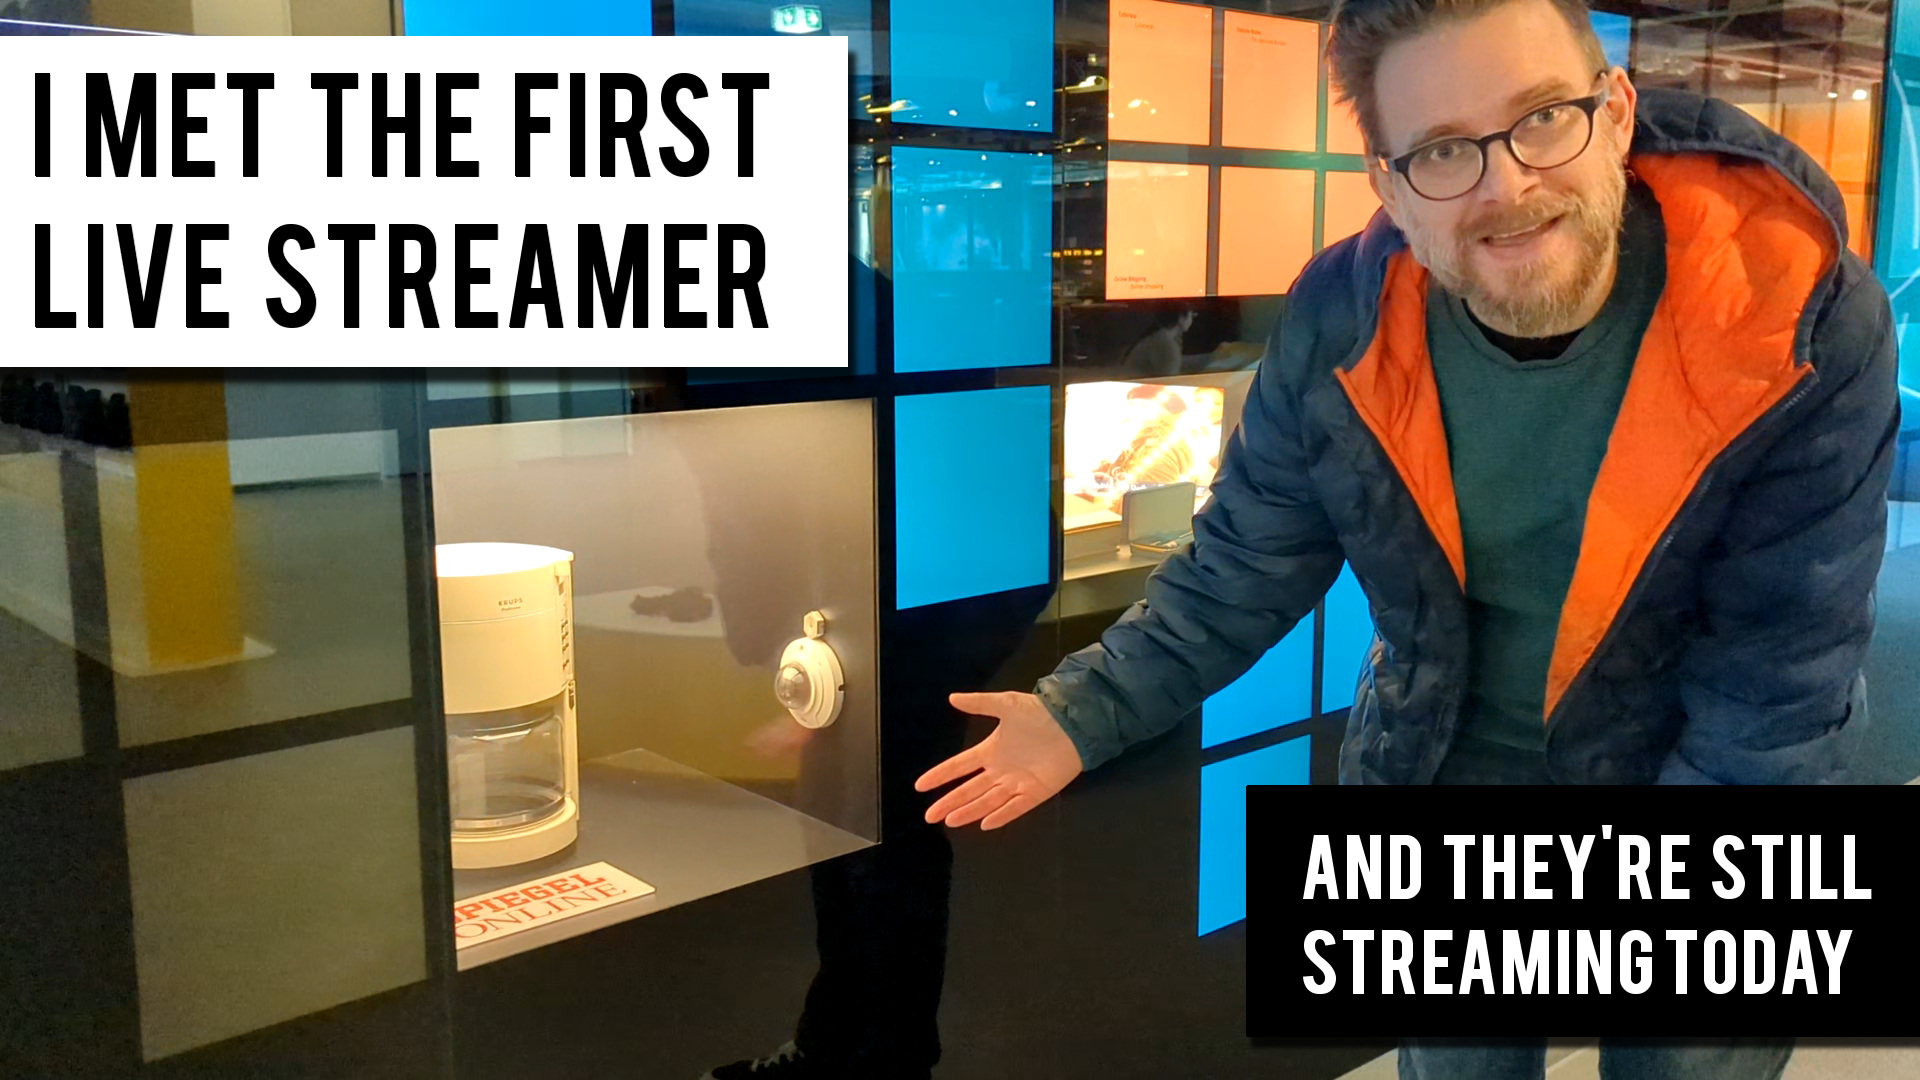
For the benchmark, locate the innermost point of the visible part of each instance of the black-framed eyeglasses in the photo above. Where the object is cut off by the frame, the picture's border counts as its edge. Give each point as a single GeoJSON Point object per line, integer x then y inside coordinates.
{"type": "Point", "coordinates": [1546, 138]}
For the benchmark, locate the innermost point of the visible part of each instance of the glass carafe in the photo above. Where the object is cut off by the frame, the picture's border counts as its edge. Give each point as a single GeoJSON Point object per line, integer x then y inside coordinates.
{"type": "Point", "coordinates": [507, 768]}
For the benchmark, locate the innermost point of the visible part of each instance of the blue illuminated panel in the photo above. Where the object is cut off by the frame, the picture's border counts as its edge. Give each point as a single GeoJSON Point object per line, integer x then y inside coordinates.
{"type": "Point", "coordinates": [1896, 251]}
{"type": "Point", "coordinates": [972, 492]}
{"type": "Point", "coordinates": [1276, 691]}
{"type": "Point", "coordinates": [986, 64]}
{"type": "Point", "coordinates": [1344, 648]}
{"type": "Point", "coordinates": [1616, 36]}
{"type": "Point", "coordinates": [972, 265]}
{"type": "Point", "coordinates": [586, 18]}
{"type": "Point", "coordinates": [1223, 825]}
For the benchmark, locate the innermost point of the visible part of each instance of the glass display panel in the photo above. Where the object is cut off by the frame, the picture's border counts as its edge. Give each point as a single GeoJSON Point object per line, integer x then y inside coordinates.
{"type": "Point", "coordinates": [710, 554]}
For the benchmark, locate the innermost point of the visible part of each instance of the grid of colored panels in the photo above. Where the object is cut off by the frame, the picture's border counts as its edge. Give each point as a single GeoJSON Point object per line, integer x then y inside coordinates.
{"type": "Point", "coordinates": [1223, 825]}
{"type": "Point", "coordinates": [986, 63]}
{"type": "Point", "coordinates": [972, 493]}
{"type": "Point", "coordinates": [490, 18]}
{"type": "Point", "coordinates": [972, 273]}
{"type": "Point", "coordinates": [1261, 150]}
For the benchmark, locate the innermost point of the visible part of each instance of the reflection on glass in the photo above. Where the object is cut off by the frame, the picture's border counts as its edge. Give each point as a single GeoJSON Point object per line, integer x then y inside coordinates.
{"type": "Point", "coordinates": [247, 532]}
{"type": "Point", "coordinates": [255, 554]}
{"type": "Point", "coordinates": [971, 276]}
{"type": "Point", "coordinates": [39, 710]}
{"type": "Point", "coordinates": [1815, 80]}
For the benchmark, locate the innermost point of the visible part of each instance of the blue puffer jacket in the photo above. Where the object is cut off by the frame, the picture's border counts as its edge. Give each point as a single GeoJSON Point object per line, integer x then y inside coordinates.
{"type": "Point", "coordinates": [1723, 600]}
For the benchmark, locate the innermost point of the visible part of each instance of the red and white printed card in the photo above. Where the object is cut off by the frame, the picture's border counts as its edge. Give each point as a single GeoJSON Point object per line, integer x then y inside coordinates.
{"type": "Point", "coordinates": [496, 914]}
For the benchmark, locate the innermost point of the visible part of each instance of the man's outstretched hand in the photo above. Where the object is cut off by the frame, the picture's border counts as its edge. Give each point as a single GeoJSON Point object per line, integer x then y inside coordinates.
{"type": "Point", "coordinates": [1025, 762]}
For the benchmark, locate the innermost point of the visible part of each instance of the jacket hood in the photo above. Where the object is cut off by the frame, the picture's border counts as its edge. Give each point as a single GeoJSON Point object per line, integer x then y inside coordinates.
{"type": "Point", "coordinates": [1671, 122]}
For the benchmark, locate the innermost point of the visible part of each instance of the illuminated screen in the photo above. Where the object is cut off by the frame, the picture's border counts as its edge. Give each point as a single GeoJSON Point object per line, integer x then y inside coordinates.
{"type": "Point", "coordinates": [1160, 73]}
{"type": "Point", "coordinates": [1350, 204]}
{"type": "Point", "coordinates": [983, 63]}
{"type": "Point", "coordinates": [1125, 435]}
{"type": "Point", "coordinates": [1270, 72]}
{"type": "Point", "coordinates": [596, 18]}
{"type": "Point", "coordinates": [1266, 229]}
{"type": "Point", "coordinates": [1156, 230]}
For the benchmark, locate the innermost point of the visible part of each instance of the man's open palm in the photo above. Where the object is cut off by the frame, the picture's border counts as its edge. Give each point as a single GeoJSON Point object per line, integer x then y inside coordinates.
{"type": "Point", "coordinates": [1025, 762]}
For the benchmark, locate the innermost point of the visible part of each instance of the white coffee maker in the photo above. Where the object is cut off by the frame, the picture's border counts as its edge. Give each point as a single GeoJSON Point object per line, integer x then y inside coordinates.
{"type": "Point", "coordinates": [506, 666]}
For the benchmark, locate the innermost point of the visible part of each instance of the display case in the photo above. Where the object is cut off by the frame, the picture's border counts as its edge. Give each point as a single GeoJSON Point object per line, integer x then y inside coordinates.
{"type": "Point", "coordinates": [1138, 461]}
{"type": "Point", "coordinates": [658, 659]}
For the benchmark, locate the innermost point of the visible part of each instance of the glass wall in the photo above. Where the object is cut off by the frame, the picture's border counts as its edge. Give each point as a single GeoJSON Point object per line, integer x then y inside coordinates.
{"type": "Point", "coordinates": [214, 671]}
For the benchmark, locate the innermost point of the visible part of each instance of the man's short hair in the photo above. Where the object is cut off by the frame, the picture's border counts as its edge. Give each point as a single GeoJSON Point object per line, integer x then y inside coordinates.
{"type": "Point", "coordinates": [1363, 30]}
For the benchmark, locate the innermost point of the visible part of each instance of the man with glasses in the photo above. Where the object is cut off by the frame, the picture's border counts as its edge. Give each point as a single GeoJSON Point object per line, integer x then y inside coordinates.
{"type": "Point", "coordinates": [1601, 412]}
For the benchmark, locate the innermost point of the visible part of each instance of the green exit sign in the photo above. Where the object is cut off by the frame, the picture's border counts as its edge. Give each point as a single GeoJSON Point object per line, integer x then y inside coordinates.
{"type": "Point", "coordinates": [797, 19]}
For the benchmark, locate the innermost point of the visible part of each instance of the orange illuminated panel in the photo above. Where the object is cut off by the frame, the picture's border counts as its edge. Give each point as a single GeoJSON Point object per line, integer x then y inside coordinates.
{"type": "Point", "coordinates": [1852, 142]}
{"type": "Point", "coordinates": [1810, 127]}
{"type": "Point", "coordinates": [1270, 79]}
{"type": "Point", "coordinates": [1160, 73]}
{"type": "Point", "coordinates": [1266, 229]}
{"type": "Point", "coordinates": [1156, 230]}
{"type": "Point", "coordinates": [1350, 205]}
{"type": "Point", "coordinates": [1343, 131]}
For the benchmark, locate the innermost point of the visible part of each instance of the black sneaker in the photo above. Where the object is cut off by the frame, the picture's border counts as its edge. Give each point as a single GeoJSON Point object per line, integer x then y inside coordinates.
{"type": "Point", "coordinates": [786, 1063]}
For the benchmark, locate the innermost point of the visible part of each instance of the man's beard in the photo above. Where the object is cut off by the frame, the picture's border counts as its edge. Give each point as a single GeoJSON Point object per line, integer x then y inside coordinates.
{"type": "Point", "coordinates": [1538, 298]}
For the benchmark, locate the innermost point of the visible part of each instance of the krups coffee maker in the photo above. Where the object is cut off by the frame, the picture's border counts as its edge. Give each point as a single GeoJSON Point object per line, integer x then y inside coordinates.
{"type": "Point", "coordinates": [506, 664]}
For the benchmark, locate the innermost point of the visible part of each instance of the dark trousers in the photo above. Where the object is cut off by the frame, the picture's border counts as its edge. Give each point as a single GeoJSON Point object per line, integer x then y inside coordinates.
{"type": "Point", "coordinates": [881, 913]}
